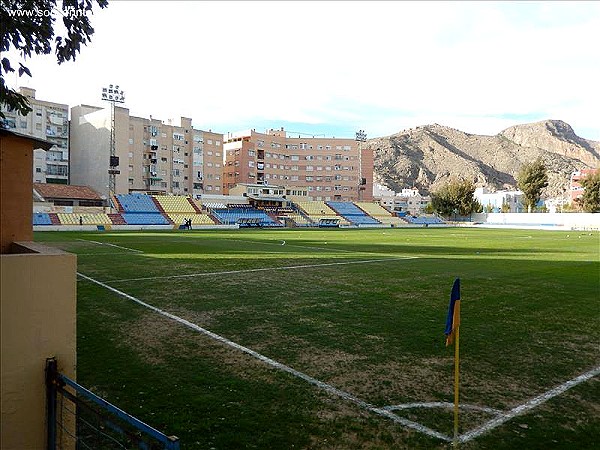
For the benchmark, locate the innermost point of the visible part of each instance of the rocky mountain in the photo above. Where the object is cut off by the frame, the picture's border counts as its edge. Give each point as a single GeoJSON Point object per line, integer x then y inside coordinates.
{"type": "Point", "coordinates": [427, 156]}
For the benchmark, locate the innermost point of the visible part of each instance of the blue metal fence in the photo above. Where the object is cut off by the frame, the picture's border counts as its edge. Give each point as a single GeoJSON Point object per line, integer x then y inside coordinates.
{"type": "Point", "coordinates": [78, 418]}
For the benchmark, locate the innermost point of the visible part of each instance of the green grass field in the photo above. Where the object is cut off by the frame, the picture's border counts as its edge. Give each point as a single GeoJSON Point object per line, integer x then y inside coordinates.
{"type": "Point", "coordinates": [362, 311]}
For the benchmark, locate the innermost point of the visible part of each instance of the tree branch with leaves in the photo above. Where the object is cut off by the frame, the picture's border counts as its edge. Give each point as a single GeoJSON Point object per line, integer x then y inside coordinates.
{"type": "Point", "coordinates": [532, 178]}
{"type": "Point", "coordinates": [29, 27]}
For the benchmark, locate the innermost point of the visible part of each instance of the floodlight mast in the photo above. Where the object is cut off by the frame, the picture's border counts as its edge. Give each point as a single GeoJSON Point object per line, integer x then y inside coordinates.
{"type": "Point", "coordinates": [361, 137]}
{"type": "Point", "coordinates": [113, 94]}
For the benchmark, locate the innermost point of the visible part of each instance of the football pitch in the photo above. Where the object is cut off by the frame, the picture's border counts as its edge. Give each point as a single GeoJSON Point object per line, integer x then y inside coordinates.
{"type": "Point", "coordinates": [333, 339]}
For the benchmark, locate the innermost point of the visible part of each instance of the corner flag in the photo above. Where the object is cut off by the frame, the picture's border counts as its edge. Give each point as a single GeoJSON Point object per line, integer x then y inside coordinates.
{"type": "Point", "coordinates": [453, 319]}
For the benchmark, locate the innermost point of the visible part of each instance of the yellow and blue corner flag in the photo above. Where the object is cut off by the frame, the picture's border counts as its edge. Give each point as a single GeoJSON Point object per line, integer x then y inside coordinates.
{"type": "Point", "coordinates": [453, 319]}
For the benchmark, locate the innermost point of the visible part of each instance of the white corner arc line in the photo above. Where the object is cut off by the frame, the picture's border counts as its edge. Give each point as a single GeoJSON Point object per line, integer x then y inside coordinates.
{"type": "Point", "coordinates": [271, 362]}
{"type": "Point", "coordinates": [264, 269]}
{"type": "Point", "coordinates": [445, 405]}
{"type": "Point", "coordinates": [534, 402]}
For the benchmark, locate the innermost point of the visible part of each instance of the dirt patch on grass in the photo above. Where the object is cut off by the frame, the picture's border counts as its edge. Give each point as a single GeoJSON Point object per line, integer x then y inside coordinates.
{"type": "Point", "coordinates": [156, 339]}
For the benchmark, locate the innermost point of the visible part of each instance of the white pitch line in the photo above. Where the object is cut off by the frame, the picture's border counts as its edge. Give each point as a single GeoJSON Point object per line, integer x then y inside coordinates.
{"type": "Point", "coordinates": [271, 362]}
{"type": "Point", "coordinates": [333, 249]}
{"type": "Point", "coordinates": [534, 402]}
{"type": "Point", "coordinates": [262, 269]}
{"type": "Point", "coordinates": [446, 405]}
{"type": "Point", "coordinates": [112, 245]}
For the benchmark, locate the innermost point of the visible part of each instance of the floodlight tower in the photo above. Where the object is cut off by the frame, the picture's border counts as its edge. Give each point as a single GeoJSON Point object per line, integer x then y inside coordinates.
{"type": "Point", "coordinates": [361, 137]}
{"type": "Point", "coordinates": [112, 94]}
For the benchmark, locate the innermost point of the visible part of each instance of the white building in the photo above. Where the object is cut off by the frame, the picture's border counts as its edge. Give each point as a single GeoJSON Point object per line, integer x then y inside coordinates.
{"type": "Point", "coordinates": [48, 121]}
{"type": "Point", "coordinates": [39, 165]}
{"type": "Point", "coordinates": [408, 200]}
{"type": "Point", "coordinates": [495, 201]}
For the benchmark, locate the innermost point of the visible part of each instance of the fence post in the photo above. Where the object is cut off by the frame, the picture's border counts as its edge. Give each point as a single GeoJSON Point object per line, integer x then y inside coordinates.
{"type": "Point", "coordinates": [51, 372]}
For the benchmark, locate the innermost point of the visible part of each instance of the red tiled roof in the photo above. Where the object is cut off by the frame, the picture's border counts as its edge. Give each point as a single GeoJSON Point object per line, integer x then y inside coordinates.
{"type": "Point", "coordinates": [50, 190]}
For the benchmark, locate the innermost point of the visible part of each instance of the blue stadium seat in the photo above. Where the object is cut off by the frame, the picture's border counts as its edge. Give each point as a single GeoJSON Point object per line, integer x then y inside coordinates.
{"type": "Point", "coordinates": [144, 219]}
{"type": "Point", "coordinates": [137, 203]}
{"type": "Point", "coordinates": [41, 219]}
{"type": "Point", "coordinates": [352, 213]}
{"type": "Point", "coordinates": [231, 216]}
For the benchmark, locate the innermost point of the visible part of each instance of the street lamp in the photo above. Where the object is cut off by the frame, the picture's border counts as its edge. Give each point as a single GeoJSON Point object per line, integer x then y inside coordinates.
{"type": "Point", "coordinates": [361, 137]}
{"type": "Point", "coordinates": [112, 94]}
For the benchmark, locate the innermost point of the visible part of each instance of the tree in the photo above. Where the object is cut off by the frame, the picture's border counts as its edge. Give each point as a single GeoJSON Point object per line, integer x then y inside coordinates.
{"type": "Point", "coordinates": [532, 178]}
{"type": "Point", "coordinates": [590, 200]}
{"type": "Point", "coordinates": [28, 27]}
{"type": "Point", "coordinates": [455, 196]}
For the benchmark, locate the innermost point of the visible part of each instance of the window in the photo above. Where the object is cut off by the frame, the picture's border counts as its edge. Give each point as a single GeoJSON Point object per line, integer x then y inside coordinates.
{"type": "Point", "coordinates": [295, 157]}
{"type": "Point", "coordinates": [309, 168]}
{"type": "Point", "coordinates": [217, 143]}
{"type": "Point", "coordinates": [294, 178]}
{"type": "Point", "coordinates": [130, 141]}
{"type": "Point", "coordinates": [178, 136]}
{"type": "Point", "coordinates": [209, 141]}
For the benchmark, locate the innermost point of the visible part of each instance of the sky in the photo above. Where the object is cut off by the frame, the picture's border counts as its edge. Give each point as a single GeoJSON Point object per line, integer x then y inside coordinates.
{"type": "Point", "coordinates": [333, 68]}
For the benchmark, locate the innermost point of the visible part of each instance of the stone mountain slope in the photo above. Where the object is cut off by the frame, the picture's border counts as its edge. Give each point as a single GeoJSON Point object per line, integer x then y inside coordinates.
{"type": "Point", "coordinates": [427, 156]}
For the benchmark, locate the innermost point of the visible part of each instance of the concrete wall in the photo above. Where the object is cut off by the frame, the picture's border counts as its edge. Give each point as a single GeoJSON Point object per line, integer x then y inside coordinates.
{"type": "Point", "coordinates": [38, 320]}
{"type": "Point", "coordinates": [90, 148]}
{"type": "Point", "coordinates": [566, 221]}
{"type": "Point", "coordinates": [16, 202]}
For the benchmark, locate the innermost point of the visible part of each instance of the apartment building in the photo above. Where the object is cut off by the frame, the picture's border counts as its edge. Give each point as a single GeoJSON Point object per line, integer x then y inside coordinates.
{"type": "Point", "coordinates": [48, 121]}
{"type": "Point", "coordinates": [154, 156]}
{"type": "Point", "coordinates": [575, 187]}
{"type": "Point", "coordinates": [327, 168]}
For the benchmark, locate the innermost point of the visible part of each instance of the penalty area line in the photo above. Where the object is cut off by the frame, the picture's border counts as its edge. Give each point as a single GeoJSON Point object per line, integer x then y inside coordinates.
{"type": "Point", "coordinates": [280, 366]}
{"type": "Point", "coordinates": [529, 405]}
{"type": "Point", "coordinates": [262, 269]}
{"type": "Point", "coordinates": [111, 245]}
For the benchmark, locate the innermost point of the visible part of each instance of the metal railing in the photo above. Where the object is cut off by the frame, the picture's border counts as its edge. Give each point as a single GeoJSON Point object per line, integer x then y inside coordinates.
{"type": "Point", "coordinates": [79, 419]}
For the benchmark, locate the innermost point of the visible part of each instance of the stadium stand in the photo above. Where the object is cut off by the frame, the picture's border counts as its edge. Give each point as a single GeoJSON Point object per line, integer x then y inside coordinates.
{"type": "Point", "coordinates": [87, 219]}
{"type": "Point", "coordinates": [283, 214]}
{"type": "Point", "coordinates": [424, 220]}
{"type": "Point", "coordinates": [378, 212]}
{"type": "Point", "coordinates": [41, 219]}
{"type": "Point", "coordinates": [175, 204]}
{"type": "Point", "coordinates": [117, 219]}
{"type": "Point", "coordinates": [230, 216]}
{"type": "Point", "coordinates": [317, 210]}
{"type": "Point", "coordinates": [144, 219]}
{"type": "Point", "coordinates": [352, 213]}
{"type": "Point", "coordinates": [137, 203]}
{"type": "Point", "coordinates": [197, 219]}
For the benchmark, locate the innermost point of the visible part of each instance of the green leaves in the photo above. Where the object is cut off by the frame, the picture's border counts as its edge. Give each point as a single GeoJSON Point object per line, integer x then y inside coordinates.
{"type": "Point", "coordinates": [590, 200]}
{"type": "Point", "coordinates": [532, 178]}
{"type": "Point", "coordinates": [455, 196]}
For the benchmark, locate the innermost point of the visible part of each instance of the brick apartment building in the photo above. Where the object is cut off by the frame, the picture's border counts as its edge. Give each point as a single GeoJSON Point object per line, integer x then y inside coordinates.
{"type": "Point", "coordinates": [327, 168]}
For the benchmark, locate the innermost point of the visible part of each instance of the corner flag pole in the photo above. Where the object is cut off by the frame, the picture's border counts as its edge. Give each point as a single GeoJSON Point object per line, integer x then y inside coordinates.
{"type": "Point", "coordinates": [456, 383]}
{"type": "Point", "coordinates": [452, 333]}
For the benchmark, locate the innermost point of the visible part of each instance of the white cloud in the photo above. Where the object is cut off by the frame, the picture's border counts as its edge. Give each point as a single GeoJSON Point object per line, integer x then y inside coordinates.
{"type": "Point", "coordinates": [374, 65]}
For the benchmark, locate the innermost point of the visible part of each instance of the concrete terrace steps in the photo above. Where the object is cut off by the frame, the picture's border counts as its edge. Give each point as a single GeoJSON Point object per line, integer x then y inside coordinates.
{"type": "Point", "coordinates": [117, 219]}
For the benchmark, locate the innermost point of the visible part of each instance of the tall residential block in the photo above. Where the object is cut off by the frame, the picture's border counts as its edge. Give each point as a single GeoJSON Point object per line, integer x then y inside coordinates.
{"type": "Point", "coordinates": [154, 157]}
{"type": "Point", "coordinates": [48, 121]}
{"type": "Point", "coordinates": [328, 168]}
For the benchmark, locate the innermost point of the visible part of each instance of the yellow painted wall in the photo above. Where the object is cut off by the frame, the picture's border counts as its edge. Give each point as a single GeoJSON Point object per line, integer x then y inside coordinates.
{"type": "Point", "coordinates": [38, 320]}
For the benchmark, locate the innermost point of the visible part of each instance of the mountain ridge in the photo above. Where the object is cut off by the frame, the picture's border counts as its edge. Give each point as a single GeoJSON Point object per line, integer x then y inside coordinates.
{"type": "Point", "coordinates": [428, 156]}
